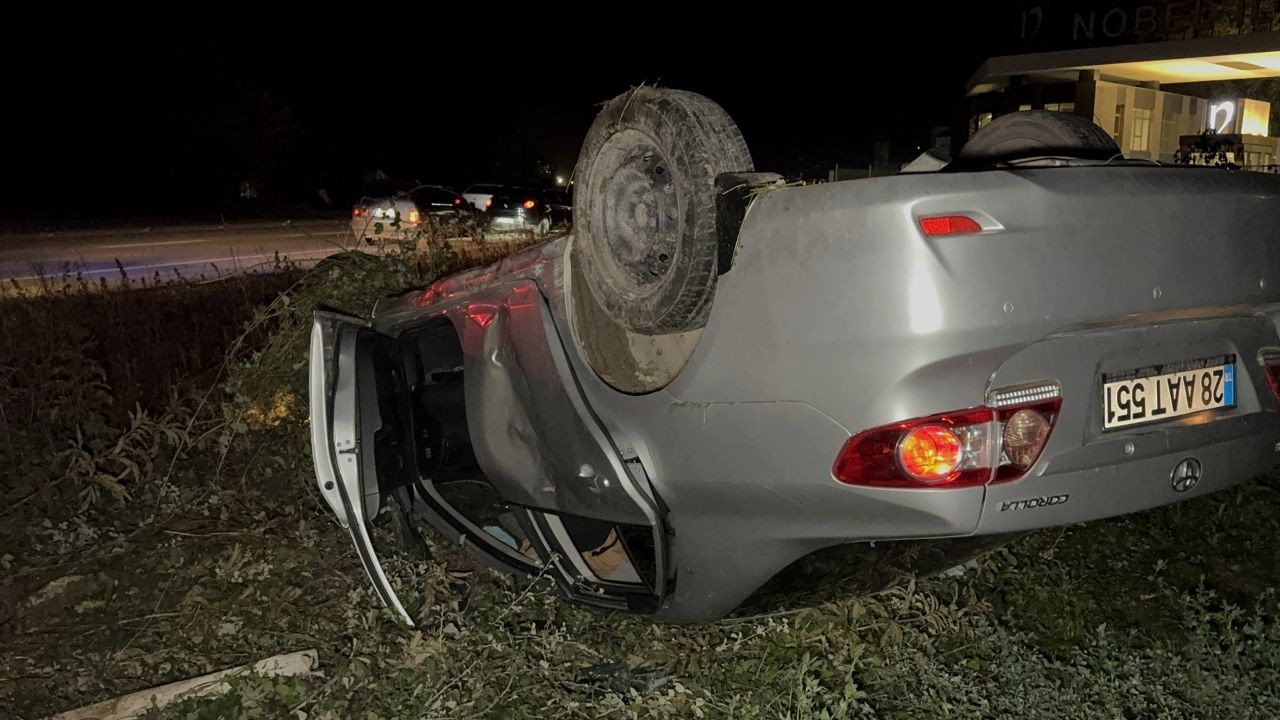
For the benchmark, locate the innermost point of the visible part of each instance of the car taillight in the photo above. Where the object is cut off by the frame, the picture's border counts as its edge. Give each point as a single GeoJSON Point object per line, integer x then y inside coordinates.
{"type": "Point", "coordinates": [529, 204]}
{"type": "Point", "coordinates": [457, 201]}
{"type": "Point", "coordinates": [1272, 373]}
{"type": "Point", "coordinates": [1024, 431]}
{"type": "Point", "coordinates": [488, 203]}
{"type": "Point", "coordinates": [359, 212]}
{"type": "Point", "coordinates": [958, 449]}
{"type": "Point", "coordinates": [931, 453]}
{"type": "Point", "coordinates": [949, 225]}
{"type": "Point", "coordinates": [413, 217]}
{"type": "Point", "coordinates": [947, 450]}
{"type": "Point", "coordinates": [1269, 359]}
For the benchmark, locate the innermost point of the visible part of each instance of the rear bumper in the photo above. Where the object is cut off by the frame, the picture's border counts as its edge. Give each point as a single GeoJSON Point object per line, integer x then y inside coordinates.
{"type": "Point", "coordinates": [724, 555]}
{"type": "Point", "coordinates": [785, 503]}
{"type": "Point", "coordinates": [380, 230]}
{"type": "Point", "coordinates": [1134, 472]}
{"type": "Point", "coordinates": [512, 220]}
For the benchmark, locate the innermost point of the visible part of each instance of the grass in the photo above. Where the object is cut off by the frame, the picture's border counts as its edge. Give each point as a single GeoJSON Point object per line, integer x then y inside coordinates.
{"type": "Point", "coordinates": [182, 534]}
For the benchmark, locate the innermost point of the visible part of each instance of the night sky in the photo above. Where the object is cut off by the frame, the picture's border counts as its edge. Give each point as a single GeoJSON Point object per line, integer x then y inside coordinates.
{"type": "Point", "coordinates": [159, 114]}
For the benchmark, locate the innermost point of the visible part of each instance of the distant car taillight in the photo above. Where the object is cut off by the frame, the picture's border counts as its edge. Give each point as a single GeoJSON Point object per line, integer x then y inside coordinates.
{"type": "Point", "coordinates": [457, 201]}
{"type": "Point", "coordinates": [958, 449]}
{"type": "Point", "coordinates": [488, 203]}
{"type": "Point", "coordinates": [949, 225]}
{"type": "Point", "coordinates": [359, 212]}
{"type": "Point", "coordinates": [529, 204]}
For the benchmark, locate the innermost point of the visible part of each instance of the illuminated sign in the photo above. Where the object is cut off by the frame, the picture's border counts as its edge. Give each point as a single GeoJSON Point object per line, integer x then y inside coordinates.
{"type": "Point", "coordinates": [1243, 116]}
{"type": "Point", "coordinates": [1062, 24]}
{"type": "Point", "coordinates": [1226, 110]}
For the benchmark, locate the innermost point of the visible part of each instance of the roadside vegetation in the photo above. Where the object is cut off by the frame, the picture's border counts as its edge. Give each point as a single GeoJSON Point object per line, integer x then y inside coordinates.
{"type": "Point", "coordinates": [159, 521]}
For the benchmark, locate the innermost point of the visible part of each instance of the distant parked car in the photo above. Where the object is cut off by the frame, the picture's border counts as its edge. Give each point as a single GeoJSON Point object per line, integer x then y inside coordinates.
{"type": "Point", "coordinates": [393, 216]}
{"type": "Point", "coordinates": [523, 208]}
{"type": "Point", "coordinates": [479, 194]}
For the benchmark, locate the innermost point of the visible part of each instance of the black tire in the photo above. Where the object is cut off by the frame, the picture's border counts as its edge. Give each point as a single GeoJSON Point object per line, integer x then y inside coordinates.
{"type": "Point", "coordinates": [1039, 133]}
{"type": "Point", "coordinates": [644, 206]}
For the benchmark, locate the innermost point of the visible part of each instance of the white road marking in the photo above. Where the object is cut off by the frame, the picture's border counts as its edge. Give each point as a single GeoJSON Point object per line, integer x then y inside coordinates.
{"type": "Point", "coordinates": [192, 241]}
{"type": "Point", "coordinates": [154, 244]}
{"type": "Point", "coordinates": [313, 254]}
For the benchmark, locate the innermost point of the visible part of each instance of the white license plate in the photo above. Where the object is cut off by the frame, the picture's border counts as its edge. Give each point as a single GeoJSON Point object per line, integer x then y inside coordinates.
{"type": "Point", "coordinates": [1168, 391]}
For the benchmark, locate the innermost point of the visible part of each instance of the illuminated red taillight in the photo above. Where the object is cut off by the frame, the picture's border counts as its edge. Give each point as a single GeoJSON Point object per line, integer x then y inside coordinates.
{"type": "Point", "coordinates": [889, 456]}
{"type": "Point", "coordinates": [949, 225]}
{"type": "Point", "coordinates": [958, 449]}
{"type": "Point", "coordinates": [529, 204]}
{"type": "Point", "coordinates": [930, 453]}
{"type": "Point", "coordinates": [457, 201]}
{"type": "Point", "coordinates": [359, 212]}
{"type": "Point", "coordinates": [1272, 372]}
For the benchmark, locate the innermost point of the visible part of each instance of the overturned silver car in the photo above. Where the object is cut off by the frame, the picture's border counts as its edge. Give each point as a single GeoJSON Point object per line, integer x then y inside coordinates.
{"type": "Point", "coordinates": [718, 374]}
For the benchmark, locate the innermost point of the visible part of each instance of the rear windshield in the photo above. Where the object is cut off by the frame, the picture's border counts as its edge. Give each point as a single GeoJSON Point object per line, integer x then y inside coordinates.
{"type": "Point", "coordinates": [510, 194]}
{"type": "Point", "coordinates": [387, 188]}
{"type": "Point", "coordinates": [433, 196]}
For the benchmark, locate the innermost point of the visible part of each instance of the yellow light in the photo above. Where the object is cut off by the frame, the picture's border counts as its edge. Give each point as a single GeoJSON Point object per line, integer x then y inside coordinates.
{"type": "Point", "coordinates": [1255, 117]}
{"type": "Point", "coordinates": [1191, 69]}
{"type": "Point", "coordinates": [1270, 60]}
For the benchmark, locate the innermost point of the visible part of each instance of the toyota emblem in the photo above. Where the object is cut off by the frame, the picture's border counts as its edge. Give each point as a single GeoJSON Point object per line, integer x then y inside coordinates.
{"type": "Point", "coordinates": [1186, 475]}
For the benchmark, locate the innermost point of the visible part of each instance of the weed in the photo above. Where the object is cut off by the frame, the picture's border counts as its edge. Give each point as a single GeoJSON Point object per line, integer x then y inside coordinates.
{"type": "Point", "coordinates": [181, 533]}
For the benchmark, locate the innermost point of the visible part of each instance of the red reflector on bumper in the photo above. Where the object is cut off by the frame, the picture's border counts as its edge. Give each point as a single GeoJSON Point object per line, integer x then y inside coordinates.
{"type": "Point", "coordinates": [949, 225]}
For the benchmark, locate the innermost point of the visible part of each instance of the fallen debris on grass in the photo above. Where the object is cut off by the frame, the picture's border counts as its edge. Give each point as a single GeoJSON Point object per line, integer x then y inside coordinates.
{"type": "Point", "coordinates": [295, 664]}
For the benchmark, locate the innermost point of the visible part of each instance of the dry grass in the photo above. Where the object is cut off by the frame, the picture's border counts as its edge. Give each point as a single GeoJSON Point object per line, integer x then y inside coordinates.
{"type": "Point", "coordinates": [219, 552]}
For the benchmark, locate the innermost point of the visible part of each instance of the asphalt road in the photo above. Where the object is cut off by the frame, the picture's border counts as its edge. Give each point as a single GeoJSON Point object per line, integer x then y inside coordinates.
{"type": "Point", "coordinates": [190, 251]}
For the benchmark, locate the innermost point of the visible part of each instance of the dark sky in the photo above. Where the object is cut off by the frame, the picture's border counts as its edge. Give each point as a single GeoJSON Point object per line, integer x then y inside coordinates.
{"type": "Point", "coordinates": [147, 113]}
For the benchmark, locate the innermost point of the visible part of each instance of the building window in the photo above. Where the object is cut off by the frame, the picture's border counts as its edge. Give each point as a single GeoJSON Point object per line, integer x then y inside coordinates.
{"type": "Point", "coordinates": [1169, 140]}
{"type": "Point", "coordinates": [1141, 130]}
{"type": "Point", "coordinates": [1061, 107]}
{"type": "Point", "coordinates": [1119, 124]}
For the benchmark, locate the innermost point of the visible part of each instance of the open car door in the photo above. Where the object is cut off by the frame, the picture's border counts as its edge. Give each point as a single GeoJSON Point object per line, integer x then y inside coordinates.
{"type": "Point", "coordinates": [516, 469]}
{"type": "Point", "coordinates": [341, 426]}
